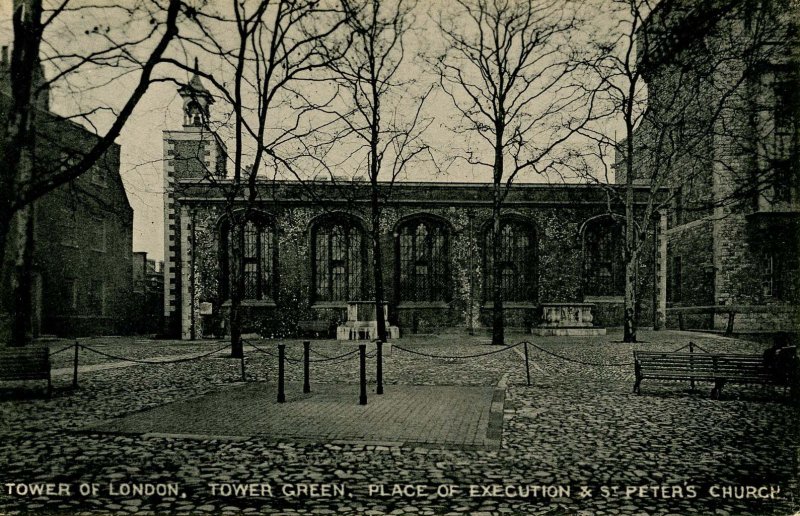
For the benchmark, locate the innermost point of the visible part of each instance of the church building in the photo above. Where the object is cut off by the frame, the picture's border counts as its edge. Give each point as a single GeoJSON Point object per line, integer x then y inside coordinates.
{"type": "Point", "coordinates": [306, 253]}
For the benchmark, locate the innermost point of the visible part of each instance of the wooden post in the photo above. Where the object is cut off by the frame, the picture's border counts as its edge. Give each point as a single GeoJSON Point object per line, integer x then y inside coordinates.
{"type": "Point", "coordinates": [306, 351]}
{"type": "Point", "coordinates": [691, 364]}
{"type": "Point", "coordinates": [527, 365]}
{"type": "Point", "coordinates": [362, 370]}
{"type": "Point", "coordinates": [379, 367]}
{"type": "Point", "coordinates": [75, 367]}
{"type": "Point", "coordinates": [729, 326]}
{"type": "Point", "coordinates": [281, 357]}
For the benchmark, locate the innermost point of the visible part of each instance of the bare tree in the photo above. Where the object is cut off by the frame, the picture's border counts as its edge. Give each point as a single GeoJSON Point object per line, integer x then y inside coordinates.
{"type": "Point", "coordinates": [23, 179]}
{"type": "Point", "coordinates": [374, 114]}
{"type": "Point", "coordinates": [509, 74]}
{"type": "Point", "coordinates": [276, 47]}
{"type": "Point", "coordinates": [668, 134]}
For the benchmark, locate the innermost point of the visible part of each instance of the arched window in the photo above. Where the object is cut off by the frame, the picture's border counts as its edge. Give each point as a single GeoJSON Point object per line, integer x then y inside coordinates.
{"type": "Point", "coordinates": [517, 261]}
{"type": "Point", "coordinates": [338, 260]}
{"type": "Point", "coordinates": [253, 243]}
{"type": "Point", "coordinates": [194, 114]}
{"type": "Point", "coordinates": [603, 266]}
{"type": "Point", "coordinates": [422, 251]}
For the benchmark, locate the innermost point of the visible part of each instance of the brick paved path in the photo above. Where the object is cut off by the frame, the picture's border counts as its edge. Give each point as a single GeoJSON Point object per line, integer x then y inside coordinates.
{"type": "Point", "coordinates": [450, 416]}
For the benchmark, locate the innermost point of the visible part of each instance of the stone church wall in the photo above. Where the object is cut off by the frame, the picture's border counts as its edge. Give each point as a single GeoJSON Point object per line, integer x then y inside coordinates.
{"type": "Point", "coordinates": [559, 267]}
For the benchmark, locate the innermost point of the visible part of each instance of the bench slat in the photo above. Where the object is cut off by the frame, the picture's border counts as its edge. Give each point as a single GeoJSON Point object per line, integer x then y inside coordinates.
{"type": "Point", "coordinates": [703, 367]}
{"type": "Point", "coordinates": [25, 363]}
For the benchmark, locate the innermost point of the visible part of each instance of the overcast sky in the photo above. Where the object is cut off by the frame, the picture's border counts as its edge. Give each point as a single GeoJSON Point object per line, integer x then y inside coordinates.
{"type": "Point", "coordinates": [141, 139]}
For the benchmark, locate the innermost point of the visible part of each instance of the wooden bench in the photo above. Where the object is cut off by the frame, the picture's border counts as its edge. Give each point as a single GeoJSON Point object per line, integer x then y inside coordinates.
{"type": "Point", "coordinates": [316, 328]}
{"type": "Point", "coordinates": [26, 363]}
{"type": "Point", "coordinates": [706, 367]}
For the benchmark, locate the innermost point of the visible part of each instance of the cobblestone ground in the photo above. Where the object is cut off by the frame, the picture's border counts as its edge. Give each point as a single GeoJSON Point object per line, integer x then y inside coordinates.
{"type": "Point", "coordinates": [668, 451]}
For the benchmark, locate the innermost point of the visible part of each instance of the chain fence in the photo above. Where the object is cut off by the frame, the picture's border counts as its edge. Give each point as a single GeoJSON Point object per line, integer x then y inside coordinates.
{"type": "Point", "coordinates": [341, 357]}
{"type": "Point", "coordinates": [455, 357]}
{"type": "Point", "coordinates": [71, 346]}
{"type": "Point", "coordinates": [152, 362]}
{"type": "Point", "coordinates": [355, 353]}
{"type": "Point", "coordinates": [576, 361]}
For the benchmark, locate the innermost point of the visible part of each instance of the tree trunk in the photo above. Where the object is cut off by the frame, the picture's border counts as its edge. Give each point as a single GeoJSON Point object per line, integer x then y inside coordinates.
{"type": "Point", "coordinates": [630, 322]}
{"type": "Point", "coordinates": [22, 327]}
{"type": "Point", "coordinates": [236, 282]}
{"type": "Point", "coordinates": [631, 254]}
{"type": "Point", "coordinates": [377, 260]}
{"type": "Point", "coordinates": [5, 227]}
{"type": "Point", "coordinates": [237, 347]}
{"type": "Point", "coordinates": [14, 168]}
{"type": "Point", "coordinates": [498, 322]}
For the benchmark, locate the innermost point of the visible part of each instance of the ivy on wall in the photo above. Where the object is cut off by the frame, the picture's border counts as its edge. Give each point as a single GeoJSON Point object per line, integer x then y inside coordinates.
{"type": "Point", "coordinates": [559, 266]}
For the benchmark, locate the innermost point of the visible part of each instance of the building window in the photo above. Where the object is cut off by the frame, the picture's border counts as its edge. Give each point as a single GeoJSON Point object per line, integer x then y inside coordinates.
{"type": "Point", "coordinates": [194, 114]}
{"type": "Point", "coordinates": [98, 175]}
{"type": "Point", "coordinates": [604, 269]}
{"type": "Point", "coordinates": [517, 264]}
{"type": "Point", "coordinates": [96, 297]}
{"type": "Point", "coordinates": [255, 246]}
{"type": "Point", "coordinates": [98, 233]}
{"type": "Point", "coordinates": [676, 292]}
{"type": "Point", "coordinates": [784, 109]}
{"type": "Point", "coordinates": [783, 182]}
{"type": "Point", "coordinates": [679, 219]}
{"type": "Point", "coordinates": [69, 297]}
{"type": "Point", "coordinates": [68, 228]}
{"type": "Point", "coordinates": [769, 276]}
{"type": "Point", "coordinates": [338, 260]}
{"type": "Point", "coordinates": [422, 251]}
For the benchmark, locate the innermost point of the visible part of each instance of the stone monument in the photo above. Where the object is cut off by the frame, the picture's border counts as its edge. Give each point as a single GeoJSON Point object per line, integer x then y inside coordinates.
{"type": "Point", "coordinates": [361, 323]}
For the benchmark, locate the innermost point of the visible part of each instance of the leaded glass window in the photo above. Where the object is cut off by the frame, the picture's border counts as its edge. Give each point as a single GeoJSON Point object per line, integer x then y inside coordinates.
{"type": "Point", "coordinates": [517, 261]}
{"type": "Point", "coordinates": [423, 261]}
{"type": "Point", "coordinates": [338, 261]}
{"type": "Point", "coordinates": [604, 269]}
{"type": "Point", "coordinates": [254, 245]}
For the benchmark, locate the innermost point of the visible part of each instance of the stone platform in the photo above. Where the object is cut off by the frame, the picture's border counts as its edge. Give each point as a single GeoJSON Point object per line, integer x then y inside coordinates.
{"type": "Point", "coordinates": [568, 332]}
{"type": "Point", "coordinates": [568, 320]}
{"type": "Point", "coordinates": [361, 323]}
{"type": "Point", "coordinates": [445, 416]}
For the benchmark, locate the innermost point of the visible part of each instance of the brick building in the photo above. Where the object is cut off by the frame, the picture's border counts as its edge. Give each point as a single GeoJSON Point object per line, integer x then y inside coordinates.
{"type": "Point", "coordinates": [147, 297]}
{"type": "Point", "coordinates": [305, 250]}
{"type": "Point", "coordinates": [82, 232]}
{"type": "Point", "coordinates": [727, 105]}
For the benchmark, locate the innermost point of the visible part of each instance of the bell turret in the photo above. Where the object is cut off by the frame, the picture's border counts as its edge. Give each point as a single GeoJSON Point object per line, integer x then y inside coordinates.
{"type": "Point", "coordinates": [197, 101]}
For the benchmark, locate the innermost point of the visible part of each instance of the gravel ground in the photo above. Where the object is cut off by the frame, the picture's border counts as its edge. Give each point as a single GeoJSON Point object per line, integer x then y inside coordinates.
{"type": "Point", "coordinates": [668, 451]}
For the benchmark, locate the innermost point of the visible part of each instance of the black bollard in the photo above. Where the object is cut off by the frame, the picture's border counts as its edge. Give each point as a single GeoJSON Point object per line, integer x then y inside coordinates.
{"type": "Point", "coordinates": [362, 369]}
{"type": "Point", "coordinates": [527, 365]}
{"type": "Point", "coordinates": [379, 372]}
{"type": "Point", "coordinates": [75, 367]}
{"type": "Point", "coordinates": [306, 350]}
{"type": "Point", "coordinates": [691, 363]}
{"type": "Point", "coordinates": [244, 378]}
{"type": "Point", "coordinates": [281, 357]}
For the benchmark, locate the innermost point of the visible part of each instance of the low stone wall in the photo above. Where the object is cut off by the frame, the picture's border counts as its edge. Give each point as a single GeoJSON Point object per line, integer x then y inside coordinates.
{"type": "Point", "coordinates": [608, 314]}
{"type": "Point", "coordinates": [517, 318]}
{"type": "Point", "coordinates": [745, 318]}
{"type": "Point", "coordinates": [760, 321]}
{"type": "Point", "coordinates": [426, 319]}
